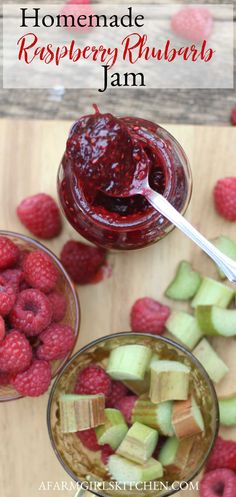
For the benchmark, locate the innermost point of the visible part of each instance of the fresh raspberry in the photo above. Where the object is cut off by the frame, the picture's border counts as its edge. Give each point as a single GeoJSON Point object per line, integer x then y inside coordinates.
{"type": "Point", "coordinates": [57, 341]}
{"type": "Point", "coordinates": [59, 305]}
{"type": "Point", "coordinates": [39, 271]}
{"type": "Point", "coordinates": [218, 483]}
{"type": "Point", "coordinates": [41, 216]}
{"type": "Point", "coordinates": [32, 312]}
{"type": "Point", "coordinates": [5, 379]}
{"type": "Point", "coordinates": [22, 257]}
{"type": "Point", "coordinates": [106, 452]}
{"type": "Point", "coordinates": [13, 277]}
{"type": "Point", "coordinates": [7, 297]}
{"type": "Point", "coordinates": [35, 380]}
{"type": "Point", "coordinates": [193, 23]}
{"type": "Point", "coordinates": [223, 455]}
{"type": "Point", "coordinates": [149, 315]}
{"type": "Point", "coordinates": [89, 439]}
{"type": "Point", "coordinates": [225, 198]}
{"type": "Point", "coordinates": [2, 328]}
{"type": "Point", "coordinates": [24, 286]}
{"type": "Point", "coordinates": [15, 353]}
{"type": "Point", "coordinates": [73, 8]}
{"type": "Point", "coordinates": [82, 261]}
{"type": "Point", "coordinates": [9, 253]}
{"type": "Point", "coordinates": [93, 379]}
{"type": "Point", "coordinates": [233, 116]}
{"type": "Point", "coordinates": [126, 405]}
{"type": "Point", "coordinates": [118, 390]}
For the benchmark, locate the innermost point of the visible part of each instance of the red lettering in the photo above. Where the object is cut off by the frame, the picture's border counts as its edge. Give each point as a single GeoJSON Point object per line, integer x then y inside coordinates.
{"type": "Point", "coordinates": [23, 49]}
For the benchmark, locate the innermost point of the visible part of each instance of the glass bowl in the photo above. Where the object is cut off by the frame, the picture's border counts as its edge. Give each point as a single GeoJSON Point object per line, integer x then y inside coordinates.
{"type": "Point", "coordinates": [85, 466]}
{"type": "Point", "coordinates": [65, 286]}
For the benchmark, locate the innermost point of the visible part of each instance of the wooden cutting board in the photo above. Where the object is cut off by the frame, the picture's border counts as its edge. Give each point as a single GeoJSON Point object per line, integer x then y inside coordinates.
{"type": "Point", "coordinates": [30, 154]}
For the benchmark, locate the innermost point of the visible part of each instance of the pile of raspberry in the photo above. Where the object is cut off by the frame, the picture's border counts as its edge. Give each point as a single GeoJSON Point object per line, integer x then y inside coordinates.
{"type": "Point", "coordinates": [84, 263]}
{"type": "Point", "coordinates": [219, 479]}
{"type": "Point", "coordinates": [32, 333]}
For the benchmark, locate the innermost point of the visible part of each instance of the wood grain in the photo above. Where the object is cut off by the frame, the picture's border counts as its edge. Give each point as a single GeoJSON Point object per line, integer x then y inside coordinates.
{"type": "Point", "coordinates": [30, 154]}
{"type": "Point", "coordinates": [212, 107]}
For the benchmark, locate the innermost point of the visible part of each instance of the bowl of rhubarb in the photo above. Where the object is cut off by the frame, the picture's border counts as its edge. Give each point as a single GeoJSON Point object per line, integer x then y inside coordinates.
{"type": "Point", "coordinates": [133, 412]}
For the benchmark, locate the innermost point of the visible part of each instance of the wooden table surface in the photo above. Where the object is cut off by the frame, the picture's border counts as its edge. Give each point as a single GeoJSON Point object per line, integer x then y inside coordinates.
{"type": "Point", "coordinates": [212, 107]}
{"type": "Point", "coordinates": [30, 154]}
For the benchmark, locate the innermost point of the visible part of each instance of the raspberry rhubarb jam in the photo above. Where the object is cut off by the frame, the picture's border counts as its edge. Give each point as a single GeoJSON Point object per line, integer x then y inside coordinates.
{"type": "Point", "coordinates": [103, 153]}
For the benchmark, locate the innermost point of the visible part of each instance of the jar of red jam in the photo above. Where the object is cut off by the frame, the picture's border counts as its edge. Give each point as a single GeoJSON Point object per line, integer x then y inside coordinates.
{"type": "Point", "coordinates": [103, 150]}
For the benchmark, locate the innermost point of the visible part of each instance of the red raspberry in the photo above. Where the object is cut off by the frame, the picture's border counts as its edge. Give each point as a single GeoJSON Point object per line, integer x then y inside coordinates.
{"type": "Point", "coordinates": [192, 23]}
{"type": "Point", "coordinates": [41, 216]}
{"type": "Point", "coordinates": [7, 297]}
{"type": "Point", "coordinates": [39, 271]}
{"type": "Point", "coordinates": [35, 380]}
{"type": "Point", "coordinates": [22, 257]}
{"type": "Point", "coordinates": [218, 483]}
{"type": "Point", "coordinates": [106, 452]}
{"type": "Point", "coordinates": [149, 315]}
{"type": "Point", "coordinates": [118, 390]}
{"type": "Point", "coordinates": [73, 8]}
{"type": "Point", "coordinates": [59, 305]}
{"type": "Point", "coordinates": [89, 439]}
{"type": "Point", "coordinates": [15, 353]}
{"type": "Point", "coordinates": [2, 328]}
{"type": "Point", "coordinates": [126, 406]}
{"type": "Point", "coordinates": [233, 116]}
{"type": "Point", "coordinates": [93, 379]}
{"type": "Point", "coordinates": [225, 198]}
{"type": "Point", "coordinates": [32, 312]}
{"type": "Point", "coordinates": [13, 277]}
{"type": "Point", "coordinates": [82, 261]}
{"type": "Point", "coordinates": [223, 455]}
{"type": "Point", "coordinates": [57, 341]}
{"type": "Point", "coordinates": [9, 253]}
{"type": "Point", "coordinates": [5, 379]}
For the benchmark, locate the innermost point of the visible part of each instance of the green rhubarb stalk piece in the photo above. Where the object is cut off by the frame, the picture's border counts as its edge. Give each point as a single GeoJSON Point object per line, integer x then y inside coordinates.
{"type": "Point", "coordinates": [185, 283]}
{"type": "Point", "coordinates": [174, 454]}
{"type": "Point", "coordinates": [185, 328]}
{"type": "Point", "coordinates": [139, 387]}
{"type": "Point", "coordinates": [212, 292]}
{"type": "Point", "coordinates": [127, 472]}
{"type": "Point", "coordinates": [139, 443]}
{"type": "Point", "coordinates": [79, 412]}
{"type": "Point", "coordinates": [169, 381]}
{"type": "Point", "coordinates": [187, 418]}
{"type": "Point", "coordinates": [213, 364]}
{"type": "Point", "coordinates": [228, 247]}
{"type": "Point", "coordinates": [156, 416]}
{"type": "Point", "coordinates": [215, 320]}
{"type": "Point", "coordinates": [227, 406]}
{"type": "Point", "coordinates": [129, 362]}
{"type": "Point", "coordinates": [114, 429]}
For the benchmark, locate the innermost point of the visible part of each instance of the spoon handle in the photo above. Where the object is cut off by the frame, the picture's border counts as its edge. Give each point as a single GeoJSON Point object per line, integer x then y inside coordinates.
{"type": "Point", "coordinates": [162, 205]}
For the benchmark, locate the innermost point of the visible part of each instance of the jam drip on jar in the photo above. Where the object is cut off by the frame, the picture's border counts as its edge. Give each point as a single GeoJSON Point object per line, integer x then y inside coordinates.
{"type": "Point", "coordinates": [107, 153]}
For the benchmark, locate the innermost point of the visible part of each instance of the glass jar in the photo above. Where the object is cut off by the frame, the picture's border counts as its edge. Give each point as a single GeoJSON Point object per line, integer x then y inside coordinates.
{"type": "Point", "coordinates": [129, 223]}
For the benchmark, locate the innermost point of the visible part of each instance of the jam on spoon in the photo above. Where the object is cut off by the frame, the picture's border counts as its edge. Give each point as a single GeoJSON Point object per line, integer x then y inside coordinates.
{"type": "Point", "coordinates": [103, 157]}
{"type": "Point", "coordinates": [117, 163]}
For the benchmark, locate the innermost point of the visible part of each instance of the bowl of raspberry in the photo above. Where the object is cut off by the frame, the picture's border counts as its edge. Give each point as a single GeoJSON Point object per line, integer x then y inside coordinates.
{"type": "Point", "coordinates": [39, 316]}
{"type": "Point", "coordinates": [135, 413]}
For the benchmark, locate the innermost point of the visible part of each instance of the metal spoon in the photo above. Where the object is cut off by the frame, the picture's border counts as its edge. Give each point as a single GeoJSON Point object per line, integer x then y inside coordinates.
{"type": "Point", "coordinates": [140, 186]}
